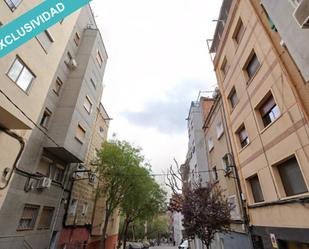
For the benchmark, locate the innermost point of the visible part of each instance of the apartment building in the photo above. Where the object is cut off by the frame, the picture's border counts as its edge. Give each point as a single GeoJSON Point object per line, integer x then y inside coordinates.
{"type": "Point", "coordinates": [196, 161]}
{"type": "Point", "coordinates": [267, 124]}
{"type": "Point", "coordinates": [79, 215]}
{"type": "Point", "coordinates": [196, 156]}
{"type": "Point", "coordinates": [50, 91]}
{"type": "Point", "coordinates": [289, 34]}
{"type": "Point", "coordinates": [221, 164]}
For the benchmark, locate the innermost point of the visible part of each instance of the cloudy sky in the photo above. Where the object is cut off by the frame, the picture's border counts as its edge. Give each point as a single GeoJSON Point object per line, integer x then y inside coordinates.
{"type": "Point", "coordinates": [158, 62]}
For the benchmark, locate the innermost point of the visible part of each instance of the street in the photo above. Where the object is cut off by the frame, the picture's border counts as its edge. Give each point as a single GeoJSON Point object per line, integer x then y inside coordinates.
{"type": "Point", "coordinates": [164, 246]}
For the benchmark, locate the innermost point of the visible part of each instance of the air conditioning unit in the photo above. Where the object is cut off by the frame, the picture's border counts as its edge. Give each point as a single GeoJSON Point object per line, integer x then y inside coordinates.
{"type": "Point", "coordinates": [44, 182]}
{"type": "Point", "coordinates": [301, 14]}
{"type": "Point", "coordinates": [72, 64]}
{"type": "Point", "coordinates": [216, 93]}
{"type": "Point", "coordinates": [80, 167]}
{"type": "Point", "coordinates": [92, 177]}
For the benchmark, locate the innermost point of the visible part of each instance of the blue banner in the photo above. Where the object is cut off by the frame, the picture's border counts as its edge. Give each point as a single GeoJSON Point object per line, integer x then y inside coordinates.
{"type": "Point", "coordinates": [35, 21]}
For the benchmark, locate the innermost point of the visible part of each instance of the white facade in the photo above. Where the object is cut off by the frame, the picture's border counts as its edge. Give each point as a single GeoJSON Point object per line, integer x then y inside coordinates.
{"type": "Point", "coordinates": [177, 227]}
{"type": "Point", "coordinates": [196, 155]}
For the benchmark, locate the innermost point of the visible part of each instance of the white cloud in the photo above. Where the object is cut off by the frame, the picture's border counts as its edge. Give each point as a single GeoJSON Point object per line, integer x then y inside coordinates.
{"type": "Point", "coordinates": [158, 61]}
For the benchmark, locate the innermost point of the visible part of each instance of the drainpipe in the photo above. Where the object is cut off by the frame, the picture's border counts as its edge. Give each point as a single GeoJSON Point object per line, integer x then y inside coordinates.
{"type": "Point", "coordinates": [237, 178]}
{"type": "Point", "coordinates": [22, 147]}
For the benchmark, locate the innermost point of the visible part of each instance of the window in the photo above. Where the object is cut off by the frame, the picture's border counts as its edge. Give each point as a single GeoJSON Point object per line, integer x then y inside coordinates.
{"type": "Point", "coordinates": [85, 209]}
{"type": "Point", "coordinates": [77, 39]}
{"type": "Point", "coordinates": [13, 4]}
{"type": "Point", "coordinates": [80, 133]}
{"type": "Point", "coordinates": [252, 66]}
{"type": "Point", "coordinates": [21, 74]}
{"type": "Point", "coordinates": [215, 173]}
{"type": "Point", "coordinates": [233, 98]}
{"type": "Point", "coordinates": [45, 39]}
{"type": "Point", "coordinates": [101, 131]}
{"type": "Point", "coordinates": [93, 83]}
{"type": "Point", "coordinates": [99, 58]}
{"type": "Point", "coordinates": [88, 104]}
{"type": "Point", "coordinates": [243, 136]}
{"type": "Point", "coordinates": [45, 118]}
{"type": "Point", "coordinates": [57, 86]}
{"type": "Point", "coordinates": [256, 189]}
{"type": "Point", "coordinates": [234, 212]}
{"type": "Point", "coordinates": [220, 130]}
{"type": "Point", "coordinates": [291, 177]}
{"type": "Point", "coordinates": [224, 67]}
{"type": "Point", "coordinates": [239, 31]}
{"type": "Point", "coordinates": [73, 207]}
{"type": "Point", "coordinates": [46, 218]}
{"type": "Point", "coordinates": [28, 217]}
{"type": "Point", "coordinates": [58, 173]}
{"type": "Point", "coordinates": [269, 111]}
{"type": "Point", "coordinates": [69, 59]}
{"type": "Point", "coordinates": [225, 165]}
{"type": "Point", "coordinates": [210, 144]}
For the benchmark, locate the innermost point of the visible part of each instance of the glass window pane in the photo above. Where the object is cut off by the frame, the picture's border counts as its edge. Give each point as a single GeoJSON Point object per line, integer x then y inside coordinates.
{"type": "Point", "coordinates": [256, 189]}
{"type": "Point", "coordinates": [292, 179]}
{"type": "Point", "coordinates": [253, 66]}
{"type": "Point", "coordinates": [15, 70]}
{"type": "Point", "coordinates": [25, 79]}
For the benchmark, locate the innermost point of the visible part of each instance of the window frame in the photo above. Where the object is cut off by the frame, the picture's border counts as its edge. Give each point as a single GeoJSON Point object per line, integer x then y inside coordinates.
{"type": "Point", "coordinates": [40, 226]}
{"type": "Point", "coordinates": [264, 114]}
{"type": "Point", "coordinates": [240, 140]}
{"type": "Point", "coordinates": [221, 131]}
{"type": "Point", "coordinates": [46, 123]}
{"type": "Point", "coordinates": [99, 58]}
{"type": "Point", "coordinates": [59, 83]}
{"type": "Point", "coordinates": [77, 38]}
{"type": "Point", "coordinates": [12, 8]}
{"type": "Point", "coordinates": [49, 37]}
{"type": "Point", "coordinates": [252, 55]}
{"type": "Point", "coordinates": [210, 144]}
{"type": "Point", "coordinates": [33, 218]}
{"type": "Point", "coordinates": [224, 67]}
{"type": "Point", "coordinates": [90, 106]}
{"type": "Point", "coordinates": [215, 174]}
{"type": "Point", "coordinates": [282, 183]}
{"type": "Point", "coordinates": [84, 131]}
{"type": "Point", "coordinates": [236, 38]}
{"type": "Point", "coordinates": [233, 93]}
{"type": "Point", "coordinates": [24, 66]}
{"type": "Point", "coordinates": [254, 197]}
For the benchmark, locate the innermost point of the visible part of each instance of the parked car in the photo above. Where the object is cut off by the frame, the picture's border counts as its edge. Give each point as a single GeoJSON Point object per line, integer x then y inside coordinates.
{"type": "Point", "coordinates": [184, 245]}
{"type": "Point", "coordinates": [146, 244]}
{"type": "Point", "coordinates": [134, 245]}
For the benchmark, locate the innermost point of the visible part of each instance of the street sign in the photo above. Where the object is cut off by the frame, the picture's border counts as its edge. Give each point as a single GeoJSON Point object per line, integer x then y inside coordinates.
{"type": "Point", "coordinates": [273, 240]}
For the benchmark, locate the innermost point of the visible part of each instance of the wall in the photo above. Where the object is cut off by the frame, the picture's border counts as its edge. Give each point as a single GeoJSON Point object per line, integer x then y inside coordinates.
{"type": "Point", "coordinates": [286, 136]}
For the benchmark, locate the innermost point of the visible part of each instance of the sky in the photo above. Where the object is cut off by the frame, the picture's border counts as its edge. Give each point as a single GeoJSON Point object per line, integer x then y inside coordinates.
{"type": "Point", "coordinates": [158, 62]}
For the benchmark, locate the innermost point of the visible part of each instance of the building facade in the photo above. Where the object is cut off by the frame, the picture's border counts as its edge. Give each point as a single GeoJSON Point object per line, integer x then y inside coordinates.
{"type": "Point", "coordinates": [196, 161]}
{"type": "Point", "coordinates": [267, 123]}
{"type": "Point", "coordinates": [221, 164]}
{"type": "Point", "coordinates": [51, 88]}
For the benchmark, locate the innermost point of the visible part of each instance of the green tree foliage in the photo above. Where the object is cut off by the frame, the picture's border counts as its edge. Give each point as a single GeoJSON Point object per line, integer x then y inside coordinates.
{"type": "Point", "coordinates": [144, 200]}
{"type": "Point", "coordinates": [155, 228]}
{"type": "Point", "coordinates": [115, 163]}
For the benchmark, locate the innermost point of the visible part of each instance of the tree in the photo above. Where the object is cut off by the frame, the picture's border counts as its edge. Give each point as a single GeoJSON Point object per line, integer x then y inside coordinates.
{"type": "Point", "coordinates": [143, 201]}
{"type": "Point", "coordinates": [152, 228]}
{"type": "Point", "coordinates": [206, 212]}
{"type": "Point", "coordinates": [114, 160]}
